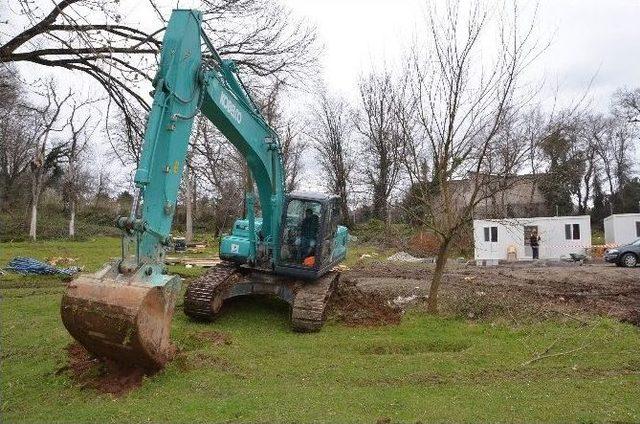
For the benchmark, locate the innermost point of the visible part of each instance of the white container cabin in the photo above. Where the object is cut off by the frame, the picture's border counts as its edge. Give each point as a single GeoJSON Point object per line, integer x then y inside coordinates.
{"type": "Point", "coordinates": [622, 228]}
{"type": "Point", "coordinates": [509, 238]}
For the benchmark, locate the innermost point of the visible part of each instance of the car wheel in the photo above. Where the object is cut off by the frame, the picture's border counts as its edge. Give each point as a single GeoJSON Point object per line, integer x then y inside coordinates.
{"type": "Point", "coordinates": [629, 260]}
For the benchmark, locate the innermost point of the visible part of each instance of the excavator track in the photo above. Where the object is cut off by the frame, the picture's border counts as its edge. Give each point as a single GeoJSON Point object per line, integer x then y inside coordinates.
{"type": "Point", "coordinates": [204, 297]}
{"type": "Point", "coordinates": [309, 307]}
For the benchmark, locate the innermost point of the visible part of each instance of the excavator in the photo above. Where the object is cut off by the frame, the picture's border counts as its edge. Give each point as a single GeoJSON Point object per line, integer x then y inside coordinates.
{"type": "Point", "coordinates": [123, 312]}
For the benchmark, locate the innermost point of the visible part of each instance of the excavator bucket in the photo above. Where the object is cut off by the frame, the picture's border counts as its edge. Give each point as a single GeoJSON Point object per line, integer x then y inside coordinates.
{"type": "Point", "coordinates": [121, 320]}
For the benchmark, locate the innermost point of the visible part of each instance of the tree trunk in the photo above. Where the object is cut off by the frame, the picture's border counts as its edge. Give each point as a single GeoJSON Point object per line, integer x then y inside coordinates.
{"type": "Point", "coordinates": [194, 194]}
{"type": "Point", "coordinates": [34, 219]}
{"type": "Point", "coordinates": [72, 194]}
{"type": "Point", "coordinates": [441, 261]}
{"type": "Point", "coordinates": [346, 218]}
{"type": "Point", "coordinates": [380, 204]}
{"type": "Point", "coordinates": [35, 197]}
{"type": "Point", "coordinates": [189, 206]}
{"type": "Point", "coordinates": [72, 218]}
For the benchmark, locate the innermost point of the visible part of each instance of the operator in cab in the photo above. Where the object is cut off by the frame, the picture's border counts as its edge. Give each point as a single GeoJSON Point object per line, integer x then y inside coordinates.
{"type": "Point", "coordinates": [308, 235]}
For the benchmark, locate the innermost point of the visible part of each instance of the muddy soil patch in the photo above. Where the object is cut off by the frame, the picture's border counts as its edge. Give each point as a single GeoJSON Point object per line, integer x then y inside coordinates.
{"type": "Point", "coordinates": [102, 375]}
{"type": "Point", "coordinates": [216, 338]}
{"type": "Point", "coordinates": [593, 289]}
{"type": "Point", "coordinates": [355, 307]}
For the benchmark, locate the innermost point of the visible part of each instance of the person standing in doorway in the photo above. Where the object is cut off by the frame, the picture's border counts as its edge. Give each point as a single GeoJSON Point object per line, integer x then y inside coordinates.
{"type": "Point", "coordinates": [534, 241]}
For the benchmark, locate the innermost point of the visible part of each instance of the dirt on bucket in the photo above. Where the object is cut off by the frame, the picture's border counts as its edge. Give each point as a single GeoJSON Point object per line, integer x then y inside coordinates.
{"type": "Point", "coordinates": [354, 307]}
{"type": "Point", "coordinates": [102, 375]}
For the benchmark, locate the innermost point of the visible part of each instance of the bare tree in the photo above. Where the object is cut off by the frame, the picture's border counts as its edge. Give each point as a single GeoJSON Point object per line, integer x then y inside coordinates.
{"type": "Point", "coordinates": [103, 185]}
{"type": "Point", "coordinates": [17, 138]}
{"type": "Point", "coordinates": [382, 141]}
{"type": "Point", "coordinates": [45, 157]}
{"type": "Point", "coordinates": [330, 130]}
{"type": "Point", "coordinates": [293, 149]}
{"type": "Point", "coordinates": [82, 124]}
{"type": "Point", "coordinates": [613, 142]}
{"type": "Point", "coordinates": [465, 107]}
{"type": "Point", "coordinates": [93, 37]}
{"type": "Point", "coordinates": [222, 170]}
{"type": "Point", "coordinates": [287, 127]}
{"type": "Point", "coordinates": [626, 105]}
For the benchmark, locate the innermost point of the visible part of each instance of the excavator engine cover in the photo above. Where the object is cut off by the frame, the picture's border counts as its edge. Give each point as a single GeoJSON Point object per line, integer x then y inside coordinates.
{"type": "Point", "coordinates": [121, 319]}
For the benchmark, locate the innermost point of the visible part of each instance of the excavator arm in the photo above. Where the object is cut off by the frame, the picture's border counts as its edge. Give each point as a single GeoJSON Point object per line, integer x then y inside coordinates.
{"type": "Point", "coordinates": [184, 86]}
{"type": "Point", "coordinates": [124, 311]}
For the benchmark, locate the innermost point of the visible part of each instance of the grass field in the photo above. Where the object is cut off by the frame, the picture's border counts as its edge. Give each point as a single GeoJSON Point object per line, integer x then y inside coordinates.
{"type": "Point", "coordinates": [425, 369]}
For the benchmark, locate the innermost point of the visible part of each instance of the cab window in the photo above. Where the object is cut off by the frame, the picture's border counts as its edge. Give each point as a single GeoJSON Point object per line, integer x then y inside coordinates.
{"type": "Point", "coordinates": [300, 232]}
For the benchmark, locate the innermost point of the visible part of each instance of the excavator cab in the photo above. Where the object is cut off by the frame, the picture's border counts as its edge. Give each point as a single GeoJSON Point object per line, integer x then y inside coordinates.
{"type": "Point", "coordinates": [310, 244]}
{"type": "Point", "coordinates": [312, 241]}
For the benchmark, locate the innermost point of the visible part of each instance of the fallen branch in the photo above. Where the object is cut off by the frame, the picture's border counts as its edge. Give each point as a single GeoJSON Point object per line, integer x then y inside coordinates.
{"type": "Point", "coordinates": [553, 355]}
{"type": "Point", "coordinates": [574, 318]}
{"type": "Point", "coordinates": [545, 354]}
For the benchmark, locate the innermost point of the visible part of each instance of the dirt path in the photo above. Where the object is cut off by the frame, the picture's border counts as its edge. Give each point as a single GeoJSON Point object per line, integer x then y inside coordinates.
{"type": "Point", "coordinates": [567, 289]}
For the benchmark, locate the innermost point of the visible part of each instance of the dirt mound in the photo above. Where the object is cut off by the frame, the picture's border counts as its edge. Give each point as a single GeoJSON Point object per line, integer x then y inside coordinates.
{"type": "Point", "coordinates": [102, 375]}
{"type": "Point", "coordinates": [408, 270]}
{"type": "Point", "coordinates": [352, 306]}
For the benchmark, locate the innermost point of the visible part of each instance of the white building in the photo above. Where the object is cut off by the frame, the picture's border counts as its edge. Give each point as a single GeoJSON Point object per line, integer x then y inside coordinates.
{"type": "Point", "coordinates": [559, 236]}
{"type": "Point", "coordinates": [622, 228]}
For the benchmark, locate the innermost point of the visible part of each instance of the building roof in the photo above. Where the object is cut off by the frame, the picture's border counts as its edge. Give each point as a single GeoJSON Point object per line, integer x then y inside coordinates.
{"type": "Point", "coordinates": [636, 214]}
{"type": "Point", "coordinates": [537, 218]}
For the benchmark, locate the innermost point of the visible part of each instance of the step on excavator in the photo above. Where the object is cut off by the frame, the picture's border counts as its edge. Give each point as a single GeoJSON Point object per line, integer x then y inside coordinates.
{"type": "Point", "coordinates": [124, 311]}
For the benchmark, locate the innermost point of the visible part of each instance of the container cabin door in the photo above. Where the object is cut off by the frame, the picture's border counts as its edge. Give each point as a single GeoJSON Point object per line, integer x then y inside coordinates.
{"type": "Point", "coordinates": [528, 229]}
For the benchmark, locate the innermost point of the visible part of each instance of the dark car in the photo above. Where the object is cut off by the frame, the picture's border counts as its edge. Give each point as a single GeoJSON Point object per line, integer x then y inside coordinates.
{"type": "Point", "coordinates": [627, 255]}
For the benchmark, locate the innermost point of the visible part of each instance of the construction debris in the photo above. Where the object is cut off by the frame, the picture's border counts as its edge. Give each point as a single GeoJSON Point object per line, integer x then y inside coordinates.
{"type": "Point", "coordinates": [180, 245]}
{"type": "Point", "coordinates": [61, 261]}
{"type": "Point", "coordinates": [200, 262]}
{"type": "Point", "coordinates": [406, 257]}
{"type": "Point", "coordinates": [402, 301]}
{"type": "Point", "coordinates": [196, 247]}
{"type": "Point", "coordinates": [341, 268]}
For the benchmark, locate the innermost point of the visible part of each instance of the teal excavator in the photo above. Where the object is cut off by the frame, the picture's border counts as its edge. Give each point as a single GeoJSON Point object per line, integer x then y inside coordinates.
{"type": "Point", "coordinates": [123, 312]}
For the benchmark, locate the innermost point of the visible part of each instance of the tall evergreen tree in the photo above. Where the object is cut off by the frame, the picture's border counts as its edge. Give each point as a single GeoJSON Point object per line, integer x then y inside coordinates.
{"type": "Point", "coordinates": [599, 211]}
{"type": "Point", "coordinates": [563, 176]}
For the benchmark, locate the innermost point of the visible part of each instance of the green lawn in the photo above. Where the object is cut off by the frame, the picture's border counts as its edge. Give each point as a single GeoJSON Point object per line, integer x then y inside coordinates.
{"type": "Point", "coordinates": [425, 369]}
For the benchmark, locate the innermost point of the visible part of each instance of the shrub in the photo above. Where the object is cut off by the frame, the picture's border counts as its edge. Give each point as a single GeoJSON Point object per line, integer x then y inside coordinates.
{"type": "Point", "coordinates": [424, 243]}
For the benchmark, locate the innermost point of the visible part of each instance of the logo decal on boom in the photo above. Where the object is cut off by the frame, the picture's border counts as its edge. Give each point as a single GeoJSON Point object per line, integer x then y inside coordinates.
{"type": "Point", "coordinates": [230, 107]}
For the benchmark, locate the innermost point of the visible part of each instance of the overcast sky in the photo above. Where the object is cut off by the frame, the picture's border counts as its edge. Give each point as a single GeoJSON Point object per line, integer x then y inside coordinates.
{"type": "Point", "coordinates": [588, 37]}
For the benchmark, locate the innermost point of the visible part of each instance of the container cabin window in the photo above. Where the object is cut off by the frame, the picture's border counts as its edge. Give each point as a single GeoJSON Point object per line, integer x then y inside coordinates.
{"type": "Point", "coordinates": [572, 231]}
{"type": "Point", "coordinates": [637, 228]}
{"type": "Point", "coordinates": [491, 234]}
